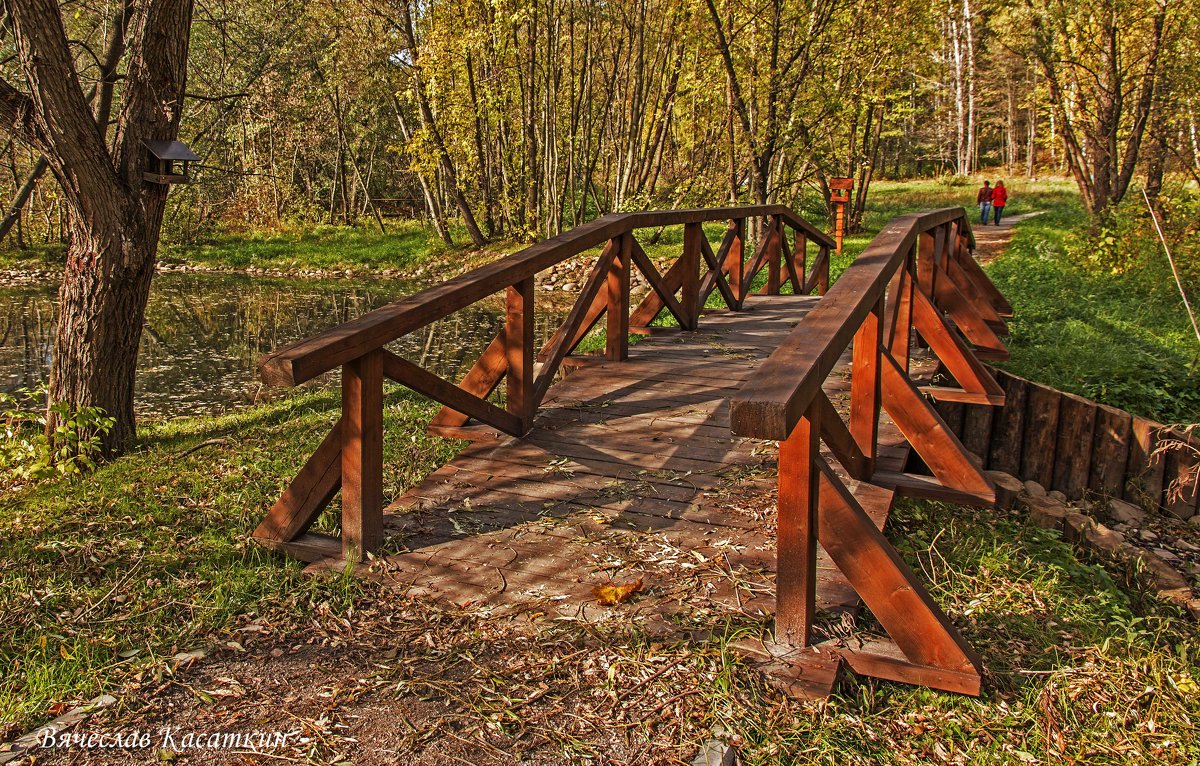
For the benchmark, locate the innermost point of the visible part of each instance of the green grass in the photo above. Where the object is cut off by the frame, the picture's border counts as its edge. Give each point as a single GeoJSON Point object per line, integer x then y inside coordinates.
{"type": "Point", "coordinates": [406, 244]}
{"type": "Point", "coordinates": [1120, 338]}
{"type": "Point", "coordinates": [1079, 669]}
{"type": "Point", "coordinates": [150, 554]}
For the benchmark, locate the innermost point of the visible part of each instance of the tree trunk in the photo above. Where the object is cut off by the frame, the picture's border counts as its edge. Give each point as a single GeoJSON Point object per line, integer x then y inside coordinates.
{"type": "Point", "coordinates": [114, 215]}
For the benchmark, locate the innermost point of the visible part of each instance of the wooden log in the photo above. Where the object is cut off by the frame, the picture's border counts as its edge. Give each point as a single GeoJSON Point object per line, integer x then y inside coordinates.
{"type": "Point", "coordinates": [1073, 448]}
{"type": "Point", "coordinates": [977, 429]}
{"type": "Point", "coordinates": [1180, 478]}
{"type": "Point", "coordinates": [362, 455]}
{"type": "Point", "coordinates": [1144, 473]}
{"type": "Point", "coordinates": [796, 538]}
{"type": "Point", "coordinates": [1110, 451]}
{"type": "Point", "coordinates": [1041, 434]}
{"type": "Point", "coordinates": [1008, 426]}
{"type": "Point", "coordinates": [952, 413]}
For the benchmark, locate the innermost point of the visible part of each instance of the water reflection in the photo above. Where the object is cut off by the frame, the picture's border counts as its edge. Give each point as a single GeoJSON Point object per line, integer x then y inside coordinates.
{"type": "Point", "coordinates": [205, 332]}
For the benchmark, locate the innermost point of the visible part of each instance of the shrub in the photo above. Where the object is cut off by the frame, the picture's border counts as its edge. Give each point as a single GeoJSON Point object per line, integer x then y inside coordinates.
{"type": "Point", "coordinates": [29, 452]}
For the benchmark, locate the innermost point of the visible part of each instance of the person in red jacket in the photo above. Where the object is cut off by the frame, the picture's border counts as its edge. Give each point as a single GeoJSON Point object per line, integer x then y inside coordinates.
{"type": "Point", "coordinates": [999, 199]}
{"type": "Point", "coordinates": [984, 200]}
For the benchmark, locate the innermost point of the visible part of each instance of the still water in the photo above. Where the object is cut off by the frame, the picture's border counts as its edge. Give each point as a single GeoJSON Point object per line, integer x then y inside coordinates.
{"type": "Point", "coordinates": [205, 332]}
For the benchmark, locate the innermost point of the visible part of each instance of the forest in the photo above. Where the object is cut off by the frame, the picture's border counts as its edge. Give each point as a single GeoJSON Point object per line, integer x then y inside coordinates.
{"type": "Point", "coordinates": [518, 120]}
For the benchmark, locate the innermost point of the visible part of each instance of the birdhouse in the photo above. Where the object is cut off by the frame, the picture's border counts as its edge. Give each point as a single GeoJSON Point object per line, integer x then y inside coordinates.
{"type": "Point", "coordinates": [839, 189]}
{"type": "Point", "coordinates": [161, 159]}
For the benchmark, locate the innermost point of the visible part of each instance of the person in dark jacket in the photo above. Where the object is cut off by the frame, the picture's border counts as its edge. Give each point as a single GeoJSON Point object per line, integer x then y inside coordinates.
{"type": "Point", "coordinates": [984, 200]}
{"type": "Point", "coordinates": [999, 199]}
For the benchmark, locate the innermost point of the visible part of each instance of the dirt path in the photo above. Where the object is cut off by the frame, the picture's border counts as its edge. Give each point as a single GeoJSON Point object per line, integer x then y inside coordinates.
{"type": "Point", "coordinates": [990, 240]}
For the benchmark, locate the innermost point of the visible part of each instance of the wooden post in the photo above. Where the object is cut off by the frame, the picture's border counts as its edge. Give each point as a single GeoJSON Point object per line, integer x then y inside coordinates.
{"type": "Point", "coordinates": [518, 351]}
{"type": "Point", "coordinates": [900, 299]}
{"type": "Point", "coordinates": [733, 261]}
{"type": "Point", "coordinates": [690, 265]}
{"type": "Point", "coordinates": [864, 385]}
{"type": "Point", "coordinates": [362, 455]}
{"type": "Point", "coordinates": [774, 255]}
{"type": "Point", "coordinates": [823, 271]}
{"type": "Point", "coordinates": [617, 342]}
{"type": "Point", "coordinates": [800, 260]}
{"type": "Point", "coordinates": [926, 272]}
{"type": "Point", "coordinates": [796, 546]}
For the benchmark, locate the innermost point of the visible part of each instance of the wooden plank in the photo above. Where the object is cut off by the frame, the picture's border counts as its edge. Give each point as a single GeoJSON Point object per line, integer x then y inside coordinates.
{"type": "Point", "coordinates": [799, 261]}
{"type": "Point", "coordinates": [840, 441]}
{"type": "Point", "coordinates": [885, 660]}
{"type": "Point", "coordinates": [320, 353]}
{"type": "Point", "coordinates": [457, 399]}
{"type": "Point", "coordinates": [655, 280]}
{"type": "Point", "coordinates": [928, 434]}
{"type": "Point", "coordinates": [1008, 427]}
{"type": "Point", "coordinates": [1144, 474]}
{"type": "Point", "coordinates": [716, 269]}
{"type": "Point", "coordinates": [864, 385]}
{"type": "Point", "coordinates": [786, 383]}
{"type": "Point", "coordinates": [887, 585]}
{"type": "Point", "coordinates": [1040, 434]}
{"type": "Point", "coordinates": [582, 317]}
{"type": "Point", "coordinates": [796, 538]}
{"type": "Point", "coordinates": [958, 359]}
{"type": "Point", "coordinates": [1073, 449]}
{"type": "Point", "coordinates": [689, 282]}
{"type": "Point", "coordinates": [1110, 451]}
{"type": "Point", "coordinates": [480, 381]}
{"type": "Point", "coordinates": [362, 455]}
{"type": "Point", "coordinates": [307, 494]}
{"type": "Point", "coordinates": [929, 488]}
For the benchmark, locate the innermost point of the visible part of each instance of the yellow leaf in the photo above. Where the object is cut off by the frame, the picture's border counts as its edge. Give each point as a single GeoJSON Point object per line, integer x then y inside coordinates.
{"type": "Point", "coordinates": [611, 593]}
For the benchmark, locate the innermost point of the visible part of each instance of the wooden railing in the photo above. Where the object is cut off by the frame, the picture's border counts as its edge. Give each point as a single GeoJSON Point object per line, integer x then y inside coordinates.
{"type": "Point", "coordinates": [917, 274]}
{"type": "Point", "coordinates": [351, 455]}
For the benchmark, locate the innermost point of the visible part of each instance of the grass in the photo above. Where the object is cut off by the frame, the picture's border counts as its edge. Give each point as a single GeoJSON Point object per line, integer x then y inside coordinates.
{"type": "Point", "coordinates": [1119, 338]}
{"type": "Point", "coordinates": [150, 553]}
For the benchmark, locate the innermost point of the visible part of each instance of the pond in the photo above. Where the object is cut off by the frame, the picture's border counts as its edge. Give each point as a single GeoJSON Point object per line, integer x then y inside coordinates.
{"type": "Point", "coordinates": [204, 334]}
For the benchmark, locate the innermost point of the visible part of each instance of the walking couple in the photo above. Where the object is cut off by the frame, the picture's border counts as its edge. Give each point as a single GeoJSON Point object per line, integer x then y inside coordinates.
{"type": "Point", "coordinates": [991, 200]}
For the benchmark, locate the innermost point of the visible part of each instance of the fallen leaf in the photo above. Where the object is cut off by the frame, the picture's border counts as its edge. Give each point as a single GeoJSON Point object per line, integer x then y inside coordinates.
{"type": "Point", "coordinates": [611, 593]}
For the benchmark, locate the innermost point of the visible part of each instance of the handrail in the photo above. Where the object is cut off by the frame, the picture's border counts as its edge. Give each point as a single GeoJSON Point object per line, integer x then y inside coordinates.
{"type": "Point", "coordinates": [350, 457]}
{"type": "Point", "coordinates": [317, 354]}
{"type": "Point", "coordinates": [774, 399]}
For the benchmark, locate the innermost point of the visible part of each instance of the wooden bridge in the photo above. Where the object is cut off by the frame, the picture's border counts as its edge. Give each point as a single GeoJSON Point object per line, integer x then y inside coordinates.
{"type": "Point", "coordinates": [658, 460]}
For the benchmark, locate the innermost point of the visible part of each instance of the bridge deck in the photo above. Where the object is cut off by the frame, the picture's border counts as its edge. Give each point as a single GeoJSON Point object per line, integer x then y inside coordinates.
{"type": "Point", "coordinates": [630, 472]}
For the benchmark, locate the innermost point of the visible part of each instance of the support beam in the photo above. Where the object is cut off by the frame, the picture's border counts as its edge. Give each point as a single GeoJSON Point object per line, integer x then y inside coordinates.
{"type": "Point", "coordinates": [362, 455]}
{"type": "Point", "coordinates": [796, 578]}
